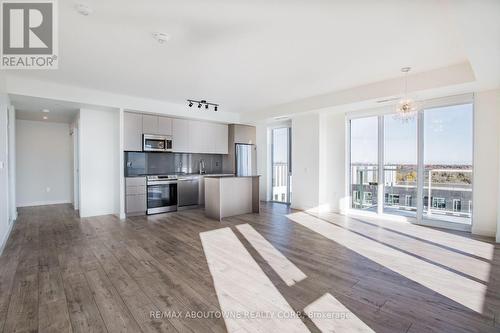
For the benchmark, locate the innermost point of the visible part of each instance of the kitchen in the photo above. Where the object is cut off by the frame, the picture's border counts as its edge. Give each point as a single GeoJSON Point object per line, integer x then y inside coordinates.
{"type": "Point", "coordinates": [168, 161]}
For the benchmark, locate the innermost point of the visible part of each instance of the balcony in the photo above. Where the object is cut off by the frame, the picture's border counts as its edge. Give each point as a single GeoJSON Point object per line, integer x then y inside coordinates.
{"type": "Point", "coordinates": [447, 191]}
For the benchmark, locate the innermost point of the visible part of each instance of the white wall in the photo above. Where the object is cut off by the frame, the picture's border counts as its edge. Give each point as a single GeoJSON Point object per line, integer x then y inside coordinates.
{"type": "Point", "coordinates": [5, 222]}
{"type": "Point", "coordinates": [305, 161]}
{"type": "Point", "coordinates": [319, 175]}
{"type": "Point", "coordinates": [486, 162]}
{"type": "Point", "coordinates": [332, 162]}
{"type": "Point", "coordinates": [263, 151]}
{"type": "Point", "coordinates": [12, 164]}
{"type": "Point", "coordinates": [99, 162]}
{"type": "Point", "coordinates": [43, 163]}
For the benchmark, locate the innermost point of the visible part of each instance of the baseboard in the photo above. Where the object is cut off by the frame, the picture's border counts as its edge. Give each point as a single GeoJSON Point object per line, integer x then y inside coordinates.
{"type": "Point", "coordinates": [6, 237]}
{"type": "Point", "coordinates": [43, 203]}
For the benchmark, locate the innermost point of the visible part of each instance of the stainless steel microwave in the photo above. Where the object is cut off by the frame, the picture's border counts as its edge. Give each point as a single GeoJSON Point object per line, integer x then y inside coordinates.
{"type": "Point", "coordinates": [152, 142]}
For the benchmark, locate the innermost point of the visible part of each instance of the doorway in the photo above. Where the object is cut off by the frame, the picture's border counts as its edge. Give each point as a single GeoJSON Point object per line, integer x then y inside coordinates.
{"type": "Point", "coordinates": [281, 165]}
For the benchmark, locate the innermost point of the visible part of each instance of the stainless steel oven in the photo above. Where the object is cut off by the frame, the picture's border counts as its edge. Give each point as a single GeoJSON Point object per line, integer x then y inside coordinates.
{"type": "Point", "coordinates": [161, 194]}
{"type": "Point", "coordinates": [152, 142]}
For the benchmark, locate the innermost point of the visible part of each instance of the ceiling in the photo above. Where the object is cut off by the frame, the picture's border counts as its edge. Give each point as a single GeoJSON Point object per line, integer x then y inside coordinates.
{"type": "Point", "coordinates": [31, 108]}
{"type": "Point", "coordinates": [249, 55]}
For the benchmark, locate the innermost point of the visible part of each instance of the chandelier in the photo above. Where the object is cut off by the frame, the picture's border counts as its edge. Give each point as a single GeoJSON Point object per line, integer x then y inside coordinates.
{"type": "Point", "coordinates": [406, 108]}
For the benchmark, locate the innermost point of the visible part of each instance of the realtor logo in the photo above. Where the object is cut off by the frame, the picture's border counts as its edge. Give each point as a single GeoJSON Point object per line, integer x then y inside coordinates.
{"type": "Point", "coordinates": [29, 34]}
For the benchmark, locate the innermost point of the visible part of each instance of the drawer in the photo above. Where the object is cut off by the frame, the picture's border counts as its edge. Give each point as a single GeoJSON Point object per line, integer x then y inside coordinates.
{"type": "Point", "coordinates": [133, 190]}
{"type": "Point", "coordinates": [135, 181]}
{"type": "Point", "coordinates": [135, 203]}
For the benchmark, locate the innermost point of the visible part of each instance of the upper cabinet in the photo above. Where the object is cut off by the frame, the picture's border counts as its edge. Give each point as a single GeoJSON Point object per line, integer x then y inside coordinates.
{"type": "Point", "coordinates": [156, 125]}
{"type": "Point", "coordinates": [149, 124]}
{"type": "Point", "coordinates": [188, 136]}
{"type": "Point", "coordinates": [180, 136]}
{"type": "Point", "coordinates": [164, 126]}
{"type": "Point", "coordinates": [132, 131]}
{"type": "Point", "coordinates": [192, 136]}
{"type": "Point", "coordinates": [221, 138]}
{"type": "Point", "coordinates": [243, 134]}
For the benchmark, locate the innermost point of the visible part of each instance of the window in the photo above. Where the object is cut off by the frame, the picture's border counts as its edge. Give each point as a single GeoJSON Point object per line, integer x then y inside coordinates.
{"type": "Point", "coordinates": [400, 164]}
{"type": "Point", "coordinates": [439, 203]}
{"type": "Point", "coordinates": [393, 199]}
{"type": "Point", "coordinates": [364, 162]}
{"type": "Point", "coordinates": [447, 160]}
{"type": "Point", "coordinates": [355, 196]}
{"type": "Point", "coordinates": [281, 164]}
{"type": "Point", "coordinates": [367, 198]}
{"type": "Point", "coordinates": [424, 164]}
{"type": "Point", "coordinates": [408, 200]}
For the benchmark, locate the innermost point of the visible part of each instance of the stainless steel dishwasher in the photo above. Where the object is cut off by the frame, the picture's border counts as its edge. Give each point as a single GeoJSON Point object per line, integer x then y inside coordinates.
{"type": "Point", "coordinates": [188, 191]}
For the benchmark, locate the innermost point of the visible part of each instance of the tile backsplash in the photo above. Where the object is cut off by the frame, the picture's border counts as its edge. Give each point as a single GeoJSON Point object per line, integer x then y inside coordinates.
{"type": "Point", "coordinates": [142, 163]}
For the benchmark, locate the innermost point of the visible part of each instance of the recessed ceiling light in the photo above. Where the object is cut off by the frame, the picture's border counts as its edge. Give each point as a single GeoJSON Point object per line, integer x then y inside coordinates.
{"type": "Point", "coordinates": [83, 9]}
{"type": "Point", "coordinates": [161, 37]}
{"type": "Point", "coordinates": [45, 110]}
{"type": "Point", "coordinates": [45, 117]}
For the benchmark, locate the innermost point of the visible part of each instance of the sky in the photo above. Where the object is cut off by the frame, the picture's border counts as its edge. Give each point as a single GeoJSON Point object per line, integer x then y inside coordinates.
{"type": "Point", "coordinates": [448, 137]}
{"type": "Point", "coordinates": [280, 139]}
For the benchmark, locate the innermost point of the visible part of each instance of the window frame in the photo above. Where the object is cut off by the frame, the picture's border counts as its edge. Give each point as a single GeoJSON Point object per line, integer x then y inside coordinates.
{"type": "Point", "coordinates": [420, 218]}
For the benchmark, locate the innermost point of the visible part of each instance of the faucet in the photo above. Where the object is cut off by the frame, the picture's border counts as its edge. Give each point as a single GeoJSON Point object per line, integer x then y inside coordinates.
{"type": "Point", "coordinates": [202, 167]}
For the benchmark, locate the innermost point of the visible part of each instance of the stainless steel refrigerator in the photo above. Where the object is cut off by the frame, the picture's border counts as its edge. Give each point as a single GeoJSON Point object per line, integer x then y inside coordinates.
{"type": "Point", "coordinates": [246, 160]}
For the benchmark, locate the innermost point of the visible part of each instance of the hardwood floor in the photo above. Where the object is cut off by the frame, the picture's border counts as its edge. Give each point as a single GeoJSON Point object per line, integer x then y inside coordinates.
{"type": "Point", "coordinates": [267, 272]}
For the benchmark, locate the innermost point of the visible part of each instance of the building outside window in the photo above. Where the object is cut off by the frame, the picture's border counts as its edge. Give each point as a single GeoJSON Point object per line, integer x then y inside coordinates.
{"type": "Point", "coordinates": [408, 200]}
{"type": "Point", "coordinates": [367, 198]}
{"type": "Point", "coordinates": [439, 203]}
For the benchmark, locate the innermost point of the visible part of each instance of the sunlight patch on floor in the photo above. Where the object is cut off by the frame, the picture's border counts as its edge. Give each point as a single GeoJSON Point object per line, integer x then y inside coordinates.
{"type": "Point", "coordinates": [460, 289]}
{"type": "Point", "coordinates": [286, 269]}
{"type": "Point", "coordinates": [329, 315]}
{"type": "Point", "coordinates": [243, 288]}
{"type": "Point", "coordinates": [460, 262]}
{"type": "Point", "coordinates": [467, 245]}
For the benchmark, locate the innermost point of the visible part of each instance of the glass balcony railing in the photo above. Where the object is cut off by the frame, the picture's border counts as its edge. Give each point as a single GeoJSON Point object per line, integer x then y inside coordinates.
{"type": "Point", "coordinates": [447, 191]}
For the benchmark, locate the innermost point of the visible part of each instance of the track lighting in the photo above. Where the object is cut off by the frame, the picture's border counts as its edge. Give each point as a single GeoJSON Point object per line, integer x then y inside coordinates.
{"type": "Point", "coordinates": [201, 103]}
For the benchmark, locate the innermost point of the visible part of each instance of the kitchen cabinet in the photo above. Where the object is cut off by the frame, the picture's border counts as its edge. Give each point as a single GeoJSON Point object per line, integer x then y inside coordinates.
{"type": "Point", "coordinates": [199, 136]}
{"type": "Point", "coordinates": [221, 138]}
{"type": "Point", "coordinates": [132, 131]}
{"type": "Point", "coordinates": [164, 126]}
{"type": "Point", "coordinates": [149, 124]}
{"type": "Point", "coordinates": [243, 134]}
{"type": "Point", "coordinates": [156, 125]}
{"type": "Point", "coordinates": [208, 138]}
{"type": "Point", "coordinates": [181, 136]}
{"type": "Point", "coordinates": [135, 195]}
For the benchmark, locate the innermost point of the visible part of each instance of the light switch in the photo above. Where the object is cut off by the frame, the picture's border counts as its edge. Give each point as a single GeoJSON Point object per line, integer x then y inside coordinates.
{"type": "Point", "coordinates": [1, 164]}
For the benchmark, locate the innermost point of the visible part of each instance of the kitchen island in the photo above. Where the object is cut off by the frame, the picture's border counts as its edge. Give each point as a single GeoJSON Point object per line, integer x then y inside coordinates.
{"type": "Point", "coordinates": [227, 196]}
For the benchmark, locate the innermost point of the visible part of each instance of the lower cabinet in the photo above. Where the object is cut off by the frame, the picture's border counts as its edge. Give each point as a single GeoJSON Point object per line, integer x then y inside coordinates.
{"type": "Point", "coordinates": [136, 203]}
{"type": "Point", "coordinates": [135, 195]}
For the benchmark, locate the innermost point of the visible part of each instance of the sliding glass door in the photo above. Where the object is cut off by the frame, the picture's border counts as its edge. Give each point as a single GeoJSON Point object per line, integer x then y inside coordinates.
{"type": "Point", "coordinates": [364, 163]}
{"type": "Point", "coordinates": [400, 166]}
{"type": "Point", "coordinates": [425, 162]}
{"type": "Point", "coordinates": [448, 157]}
{"type": "Point", "coordinates": [281, 165]}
